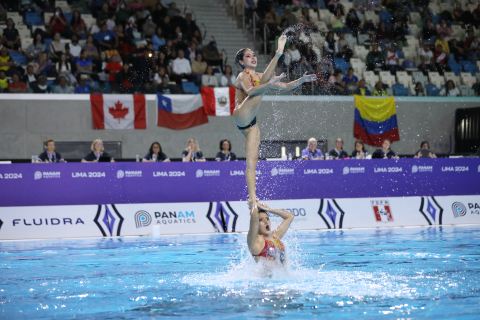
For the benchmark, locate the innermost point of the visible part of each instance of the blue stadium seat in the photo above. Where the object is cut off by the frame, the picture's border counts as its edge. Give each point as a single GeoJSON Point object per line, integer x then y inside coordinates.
{"type": "Point", "coordinates": [190, 87]}
{"type": "Point", "coordinates": [468, 66]}
{"type": "Point", "coordinates": [340, 63]}
{"type": "Point", "coordinates": [456, 68]}
{"type": "Point", "coordinates": [17, 57]}
{"type": "Point", "coordinates": [432, 90]}
{"type": "Point", "coordinates": [399, 54]}
{"type": "Point", "coordinates": [47, 45]}
{"type": "Point", "coordinates": [106, 87]}
{"type": "Point", "coordinates": [385, 16]}
{"type": "Point", "coordinates": [32, 19]}
{"type": "Point", "coordinates": [400, 90]}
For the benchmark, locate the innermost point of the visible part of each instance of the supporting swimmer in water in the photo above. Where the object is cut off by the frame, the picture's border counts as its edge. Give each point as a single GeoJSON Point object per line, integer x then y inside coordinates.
{"type": "Point", "coordinates": [251, 87]}
{"type": "Point", "coordinates": [264, 243]}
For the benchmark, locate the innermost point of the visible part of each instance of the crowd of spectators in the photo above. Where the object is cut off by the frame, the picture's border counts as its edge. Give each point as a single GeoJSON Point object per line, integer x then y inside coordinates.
{"type": "Point", "coordinates": [105, 46]}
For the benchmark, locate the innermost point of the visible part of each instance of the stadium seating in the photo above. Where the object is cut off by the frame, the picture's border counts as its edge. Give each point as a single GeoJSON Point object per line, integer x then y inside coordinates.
{"type": "Point", "coordinates": [400, 90]}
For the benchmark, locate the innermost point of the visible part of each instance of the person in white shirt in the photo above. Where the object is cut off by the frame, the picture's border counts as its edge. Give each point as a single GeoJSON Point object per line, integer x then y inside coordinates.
{"type": "Point", "coordinates": [209, 79]}
{"type": "Point", "coordinates": [228, 80]}
{"type": "Point", "coordinates": [64, 69]}
{"type": "Point", "coordinates": [426, 58]}
{"type": "Point", "coordinates": [181, 68]}
{"type": "Point", "coordinates": [450, 90]}
{"type": "Point", "coordinates": [392, 59]}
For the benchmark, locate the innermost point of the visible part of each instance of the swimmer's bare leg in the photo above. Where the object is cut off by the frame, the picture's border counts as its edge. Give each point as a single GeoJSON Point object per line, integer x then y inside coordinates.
{"type": "Point", "coordinates": [252, 143]}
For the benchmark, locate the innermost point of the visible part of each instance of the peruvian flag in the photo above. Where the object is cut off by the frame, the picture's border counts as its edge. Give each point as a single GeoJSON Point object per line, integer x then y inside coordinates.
{"type": "Point", "coordinates": [180, 111]}
{"type": "Point", "coordinates": [119, 111]}
{"type": "Point", "coordinates": [218, 101]}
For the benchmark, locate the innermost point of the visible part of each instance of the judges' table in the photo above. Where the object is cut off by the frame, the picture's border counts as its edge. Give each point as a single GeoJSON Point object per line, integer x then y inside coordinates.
{"type": "Point", "coordinates": [322, 189]}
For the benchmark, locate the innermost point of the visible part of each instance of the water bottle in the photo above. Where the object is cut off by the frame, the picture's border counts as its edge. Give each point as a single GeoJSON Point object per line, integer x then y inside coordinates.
{"type": "Point", "coordinates": [33, 158]}
{"type": "Point", "coordinates": [365, 155]}
{"type": "Point", "coordinates": [228, 158]}
{"type": "Point", "coordinates": [154, 157]}
{"type": "Point", "coordinates": [138, 158]}
{"type": "Point", "coordinates": [326, 156]}
{"type": "Point", "coordinates": [289, 156]}
{"type": "Point", "coordinates": [36, 158]}
{"type": "Point", "coordinates": [358, 155]}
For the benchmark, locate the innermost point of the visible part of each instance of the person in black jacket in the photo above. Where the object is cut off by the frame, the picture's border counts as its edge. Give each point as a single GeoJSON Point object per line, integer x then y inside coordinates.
{"type": "Point", "coordinates": [50, 155]}
{"type": "Point", "coordinates": [225, 153]}
{"type": "Point", "coordinates": [338, 152]}
{"type": "Point", "coordinates": [192, 153]}
{"type": "Point", "coordinates": [359, 150]}
{"type": "Point", "coordinates": [155, 154]}
{"type": "Point", "coordinates": [362, 90]}
{"type": "Point", "coordinates": [97, 152]}
{"type": "Point", "coordinates": [385, 152]}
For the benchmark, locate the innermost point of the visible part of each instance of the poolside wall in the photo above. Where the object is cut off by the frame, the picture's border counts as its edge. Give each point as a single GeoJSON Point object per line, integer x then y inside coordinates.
{"type": "Point", "coordinates": [50, 222]}
{"type": "Point", "coordinates": [28, 120]}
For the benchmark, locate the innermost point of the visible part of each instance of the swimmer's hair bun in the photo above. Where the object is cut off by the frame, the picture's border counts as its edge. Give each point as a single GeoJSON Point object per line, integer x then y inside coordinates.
{"type": "Point", "coordinates": [239, 57]}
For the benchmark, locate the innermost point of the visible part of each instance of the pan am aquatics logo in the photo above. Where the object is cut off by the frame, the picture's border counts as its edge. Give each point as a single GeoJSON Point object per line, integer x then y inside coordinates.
{"type": "Point", "coordinates": [142, 219]}
{"type": "Point", "coordinates": [459, 209]}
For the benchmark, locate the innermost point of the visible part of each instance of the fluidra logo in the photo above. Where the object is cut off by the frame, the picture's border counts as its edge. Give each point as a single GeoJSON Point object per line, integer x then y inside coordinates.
{"type": "Point", "coordinates": [46, 175]}
{"type": "Point", "coordinates": [51, 221]}
{"type": "Point", "coordinates": [157, 174]}
{"type": "Point", "coordinates": [242, 173]}
{"type": "Point", "coordinates": [173, 217]}
{"type": "Point", "coordinates": [128, 174]}
{"type": "Point", "coordinates": [208, 173]}
{"type": "Point", "coordinates": [416, 169]}
{"type": "Point", "coordinates": [317, 171]}
{"type": "Point", "coordinates": [347, 170]}
{"type": "Point", "coordinates": [282, 171]}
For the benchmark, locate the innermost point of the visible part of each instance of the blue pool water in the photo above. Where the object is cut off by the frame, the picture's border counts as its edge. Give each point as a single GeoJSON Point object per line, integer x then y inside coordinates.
{"type": "Point", "coordinates": [426, 273]}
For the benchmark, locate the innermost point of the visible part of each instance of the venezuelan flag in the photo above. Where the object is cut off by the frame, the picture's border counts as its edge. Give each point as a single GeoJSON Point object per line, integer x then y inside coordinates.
{"type": "Point", "coordinates": [375, 120]}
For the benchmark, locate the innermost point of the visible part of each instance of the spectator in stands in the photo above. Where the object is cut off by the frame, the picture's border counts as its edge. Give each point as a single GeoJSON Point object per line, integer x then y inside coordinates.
{"type": "Point", "coordinates": [36, 47]}
{"type": "Point", "coordinates": [398, 35]}
{"type": "Point", "coordinates": [155, 154]}
{"type": "Point", "coordinates": [84, 64]}
{"type": "Point", "coordinates": [338, 20]}
{"type": "Point", "coordinates": [64, 69]}
{"type": "Point", "coordinates": [385, 152]}
{"type": "Point", "coordinates": [330, 46]}
{"type": "Point", "coordinates": [337, 86]}
{"type": "Point", "coordinates": [173, 10]}
{"type": "Point", "coordinates": [3, 13]}
{"type": "Point", "coordinates": [450, 90]}
{"type": "Point", "coordinates": [392, 60]}
{"type": "Point", "coordinates": [181, 68]}
{"type": "Point", "coordinates": [96, 6]}
{"type": "Point", "coordinates": [189, 26]}
{"type": "Point", "coordinates": [333, 5]}
{"type": "Point", "coordinates": [143, 65]}
{"type": "Point", "coordinates": [425, 15]}
{"type": "Point", "coordinates": [442, 28]}
{"type": "Point", "coordinates": [159, 13]}
{"type": "Point", "coordinates": [158, 39]}
{"type": "Point", "coordinates": [73, 49]}
{"type": "Point", "coordinates": [309, 58]}
{"type": "Point", "coordinates": [191, 52]}
{"type": "Point", "coordinates": [91, 51]}
{"type": "Point", "coordinates": [351, 81]}
{"type": "Point", "coordinates": [456, 48]}
{"type": "Point", "coordinates": [429, 33]}
{"type": "Point", "coordinates": [465, 17]}
{"type": "Point", "coordinates": [58, 22]}
{"type": "Point", "coordinates": [359, 152]}
{"type": "Point", "coordinates": [111, 22]}
{"type": "Point", "coordinates": [62, 87]}
{"type": "Point", "coordinates": [43, 65]}
{"type": "Point", "coordinates": [379, 90]}
{"type": "Point", "coordinates": [228, 80]}
{"type": "Point", "coordinates": [211, 55]}
{"type": "Point", "coordinates": [6, 62]}
{"type": "Point", "coordinates": [225, 153]}
{"type": "Point", "coordinates": [11, 37]}
{"type": "Point", "coordinates": [272, 23]}
{"type": "Point", "coordinates": [344, 50]}
{"type": "Point", "coordinates": [3, 82]}
{"type": "Point", "coordinates": [149, 27]}
{"type": "Point", "coordinates": [291, 60]}
{"type": "Point", "coordinates": [426, 59]}
{"type": "Point", "coordinates": [169, 50]}
{"type": "Point", "coordinates": [113, 67]}
{"type": "Point", "coordinates": [199, 67]}
{"type": "Point", "coordinates": [50, 155]}
{"type": "Point", "coordinates": [30, 79]}
{"type": "Point", "coordinates": [97, 151]}
{"type": "Point", "coordinates": [290, 18]}
{"type": "Point", "coordinates": [198, 39]}
{"type": "Point", "coordinates": [106, 39]}
{"type": "Point", "coordinates": [338, 152]}
{"type": "Point", "coordinates": [444, 43]}
{"type": "Point", "coordinates": [57, 48]}
{"type": "Point", "coordinates": [113, 5]}
{"type": "Point", "coordinates": [17, 86]}
{"type": "Point", "coordinates": [209, 79]}
{"type": "Point", "coordinates": [125, 81]}
{"type": "Point", "coordinates": [192, 153]}
{"type": "Point", "coordinates": [418, 90]}
{"type": "Point", "coordinates": [103, 15]}
{"type": "Point", "coordinates": [382, 35]}
{"type": "Point", "coordinates": [77, 25]}
{"type": "Point", "coordinates": [375, 59]}
{"type": "Point", "coordinates": [471, 46]}
{"type": "Point", "coordinates": [441, 57]}
{"type": "Point", "coordinates": [362, 90]}
{"type": "Point", "coordinates": [311, 152]}
{"type": "Point", "coordinates": [122, 14]}
{"type": "Point", "coordinates": [424, 145]}
{"type": "Point", "coordinates": [42, 86]}
{"type": "Point", "coordinates": [476, 16]}
{"type": "Point", "coordinates": [162, 61]}
{"type": "Point", "coordinates": [353, 22]}
{"type": "Point", "coordinates": [158, 78]}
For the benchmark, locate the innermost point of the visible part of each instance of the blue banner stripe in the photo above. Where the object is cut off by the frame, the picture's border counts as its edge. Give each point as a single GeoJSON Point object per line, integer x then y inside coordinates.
{"type": "Point", "coordinates": [373, 127]}
{"type": "Point", "coordinates": [164, 103]}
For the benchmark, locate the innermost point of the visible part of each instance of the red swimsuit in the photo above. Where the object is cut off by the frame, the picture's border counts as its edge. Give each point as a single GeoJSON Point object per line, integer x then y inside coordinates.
{"type": "Point", "coordinates": [272, 250]}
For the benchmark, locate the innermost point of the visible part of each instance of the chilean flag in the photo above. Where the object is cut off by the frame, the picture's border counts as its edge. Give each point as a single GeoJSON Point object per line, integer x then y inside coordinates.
{"type": "Point", "coordinates": [218, 101]}
{"type": "Point", "coordinates": [119, 111]}
{"type": "Point", "coordinates": [180, 111]}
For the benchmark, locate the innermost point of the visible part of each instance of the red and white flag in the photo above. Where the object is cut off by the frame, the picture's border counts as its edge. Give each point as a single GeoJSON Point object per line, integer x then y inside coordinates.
{"type": "Point", "coordinates": [119, 111]}
{"type": "Point", "coordinates": [218, 101]}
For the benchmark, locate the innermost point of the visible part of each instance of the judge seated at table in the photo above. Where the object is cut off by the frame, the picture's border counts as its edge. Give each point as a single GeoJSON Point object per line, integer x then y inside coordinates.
{"type": "Point", "coordinates": [225, 153]}
{"type": "Point", "coordinates": [50, 155]}
{"type": "Point", "coordinates": [338, 152]}
{"type": "Point", "coordinates": [311, 152]}
{"type": "Point", "coordinates": [385, 152]}
{"type": "Point", "coordinates": [155, 154]}
{"type": "Point", "coordinates": [97, 152]}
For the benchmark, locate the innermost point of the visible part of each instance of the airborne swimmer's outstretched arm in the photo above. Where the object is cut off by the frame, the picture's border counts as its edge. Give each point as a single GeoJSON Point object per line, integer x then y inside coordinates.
{"type": "Point", "coordinates": [294, 84]}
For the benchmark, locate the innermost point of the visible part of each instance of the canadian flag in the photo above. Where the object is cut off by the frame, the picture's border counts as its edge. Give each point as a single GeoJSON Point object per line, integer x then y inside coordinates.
{"type": "Point", "coordinates": [119, 111]}
{"type": "Point", "coordinates": [218, 101]}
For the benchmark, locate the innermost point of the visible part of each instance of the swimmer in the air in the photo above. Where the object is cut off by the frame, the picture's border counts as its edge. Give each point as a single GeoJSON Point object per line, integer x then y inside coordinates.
{"type": "Point", "coordinates": [263, 242]}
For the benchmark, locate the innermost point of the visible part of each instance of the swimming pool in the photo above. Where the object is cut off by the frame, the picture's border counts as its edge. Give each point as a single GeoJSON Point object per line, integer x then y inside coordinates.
{"type": "Point", "coordinates": [371, 273]}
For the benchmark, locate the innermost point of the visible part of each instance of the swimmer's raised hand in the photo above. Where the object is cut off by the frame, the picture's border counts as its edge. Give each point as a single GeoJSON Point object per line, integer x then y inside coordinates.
{"type": "Point", "coordinates": [263, 206]}
{"type": "Point", "coordinates": [274, 79]}
{"type": "Point", "coordinates": [309, 77]}
{"type": "Point", "coordinates": [281, 44]}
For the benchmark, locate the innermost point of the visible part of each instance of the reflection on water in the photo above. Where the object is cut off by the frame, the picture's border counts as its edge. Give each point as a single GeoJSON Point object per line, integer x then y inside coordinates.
{"type": "Point", "coordinates": [407, 273]}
